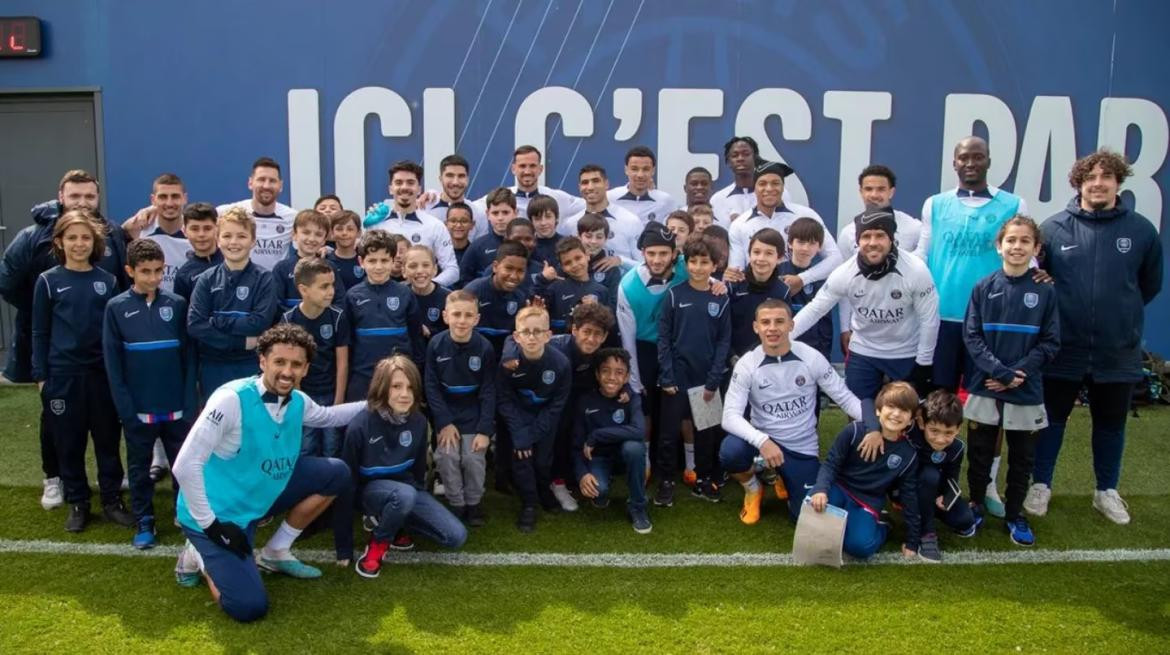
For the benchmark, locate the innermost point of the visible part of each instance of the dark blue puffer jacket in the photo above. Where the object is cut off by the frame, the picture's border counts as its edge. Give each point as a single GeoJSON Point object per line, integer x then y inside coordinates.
{"type": "Point", "coordinates": [1107, 266]}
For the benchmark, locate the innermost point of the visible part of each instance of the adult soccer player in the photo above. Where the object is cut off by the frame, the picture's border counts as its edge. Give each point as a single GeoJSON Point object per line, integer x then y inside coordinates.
{"type": "Point", "coordinates": [274, 221]}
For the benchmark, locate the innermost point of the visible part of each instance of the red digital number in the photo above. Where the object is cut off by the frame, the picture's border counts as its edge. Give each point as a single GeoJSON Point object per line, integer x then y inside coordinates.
{"type": "Point", "coordinates": [16, 37]}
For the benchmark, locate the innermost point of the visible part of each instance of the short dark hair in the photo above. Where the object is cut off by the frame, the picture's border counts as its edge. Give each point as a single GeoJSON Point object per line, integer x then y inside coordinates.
{"type": "Point", "coordinates": [698, 248]}
{"type": "Point", "coordinates": [518, 222]}
{"type": "Point", "coordinates": [1025, 221]}
{"type": "Point", "coordinates": [592, 168]}
{"type": "Point", "coordinates": [199, 211]}
{"type": "Point", "coordinates": [308, 268]}
{"type": "Point", "coordinates": [501, 196]}
{"type": "Point", "coordinates": [170, 179]}
{"type": "Point", "coordinates": [406, 166]}
{"type": "Point", "coordinates": [807, 229]}
{"type": "Point", "coordinates": [590, 222]}
{"type": "Point", "coordinates": [328, 196]}
{"type": "Point", "coordinates": [541, 203]}
{"type": "Point", "coordinates": [459, 204]}
{"type": "Point", "coordinates": [697, 169]}
{"type": "Point", "coordinates": [77, 176]}
{"type": "Point", "coordinates": [289, 334]}
{"type": "Point", "coordinates": [524, 150]}
{"type": "Point", "coordinates": [377, 240]}
{"type": "Point", "coordinates": [641, 151]}
{"type": "Point", "coordinates": [736, 139]}
{"type": "Point", "coordinates": [772, 303]}
{"type": "Point", "coordinates": [511, 248]}
{"type": "Point", "coordinates": [943, 407]}
{"type": "Point", "coordinates": [620, 354]}
{"type": "Point", "coordinates": [880, 171]}
{"type": "Point", "coordinates": [266, 162]}
{"type": "Point", "coordinates": [1109, 161]}
{"type": "Point", "coordinates": [595, 313]}
{"type": "Point", "coordinates": [453, 160]}
{"type": "Point", "coordinates": [771, 237]}
{"type": "Point", "coordinates": [143, 250]}
{"type": "Point", "coordinates": [346, 215]}
{"type": "Point", "coordinates": [569, 244]}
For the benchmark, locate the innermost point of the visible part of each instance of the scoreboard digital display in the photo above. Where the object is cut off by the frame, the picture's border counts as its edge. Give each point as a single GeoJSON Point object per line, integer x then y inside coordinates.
{"type": "Point", "coordinates": [20, 36]}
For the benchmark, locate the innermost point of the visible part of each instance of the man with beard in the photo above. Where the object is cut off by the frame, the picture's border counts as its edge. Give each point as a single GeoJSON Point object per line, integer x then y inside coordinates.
{"type": "Point", "coordinates": [274, 221]}
{"type": "Point", "coordinates": [162, 222]}
{"type": "Point", "coordinates": [639, 196]}
{"type": "Point", "coordinates": [1106, 261]}
{"type": "Point", "coordinates": [29, 255]}
{"type": "Point", "coordinates": [400, 215]}
{"type": "Point", "coordinates": [895, 318]}
{"type": "Point", "coordinates": [453, 175]}
{"type": "Point", "coordinates": [623, 224]}
{"type": "Point", "coordinates": [527, 167]}
{"type": "Point", "coordinates": [742, 154]}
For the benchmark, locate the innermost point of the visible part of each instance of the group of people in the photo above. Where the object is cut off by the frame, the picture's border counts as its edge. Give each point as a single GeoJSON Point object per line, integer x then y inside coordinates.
{"type": "Point", "coordinates": [319, 362]}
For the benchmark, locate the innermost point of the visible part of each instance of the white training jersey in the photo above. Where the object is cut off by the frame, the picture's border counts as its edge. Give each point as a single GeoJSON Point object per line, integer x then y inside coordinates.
{"type": "Point", "coordinates": [479, 221]}
{"type": "Point", "coordinates": [654, 205]}
{"type": "Point", "coordinates": [423, 229]}
{"type": "Point", "coordinates": [273, 232]}
{"type": "Point", "coordinates": [624, 230]}
{"type": "Point", "coordinates": [175, 249]}
{"type": "Point", "coordinates": [733, 202]}
{"type": "Point", "coordinates": [743, 229]}
{"type": "Point", "coordinates": [906, 238]}
{"type": "Point", "coordinates": [567, 203]}
{"type": "Point", "coordinates": [782, 394]}
{"type": "Point", "coordinates": [894, 317]}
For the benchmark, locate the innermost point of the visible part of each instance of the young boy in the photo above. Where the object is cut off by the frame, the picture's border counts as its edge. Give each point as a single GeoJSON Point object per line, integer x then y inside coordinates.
{"type": "Point", "coordinates": [531, 399]}
{"type": "Point", "coordinates": [420, 272]}
{"type": "Point", "coordinates": [460, 222]}
{"type": "Point", "coordinates": [398, 265]}
{"type": "Point", "coordinates": [499, 294]}
{"type": "Point", "coordinates": [761, 282]}
{"type": "Point", "coordinates": [501, 209]}
{"type": "Point", "coordinates": [940, 458]}
{"type": "Point", "coordinates": [460, 383]}
{"type": "Point", "coordinates": [703, 217]}
{"type": "Point", "coordinates": [607, 437]}
{"type": "Point", "coordinates": [805, 238]}
{"type": "Point", "coordinates": [382, 313]}
{"type": "Point", "coordinates": [682, 226]}
{"type": "Point", "coordinates": [233, 303]}
{"type": "Point", "coordinates": [151, 373]}
{"type": "Point", "coordinates": [199, 224]}
{"type": "Point", "coordinates": [694, 341]}
{"type": "Point", "coordinates": [310, 230]}
{"type": "Point", "coordinates": [594, 232]}
{"type": "Point", "coordinates": [859, 487]}
{"type": "Point", "coordinates": [1012, 332]}
{"type": "Point", "coordinates": [346, 228]}
{"type": "Point", "coordinates": [538, 272]}
{"type": "Point", "coordinates": [329, 370]}
{"type": "Point", "coordinates": [544, 212]}
{"type": "Point", "coordinates": [577, 286]}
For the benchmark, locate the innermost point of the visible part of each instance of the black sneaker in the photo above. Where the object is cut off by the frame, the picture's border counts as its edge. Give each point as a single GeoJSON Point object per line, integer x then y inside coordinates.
{"type": "Point", "coordinates": [601, 502]}
{"type": "Point", "coordinates": [641, 520]}
{"type": "Point", "coordinates": [527, 521]}
{"type": "Point", "coordinates": [116, 512]}
{"type": "Point", "coordinates": [697, 487]}
{"type": "Point", "coordinates": [710, 491]}
{"type": "Point", "coordinates": [78, 517]}
{"type": "Point", "coordinates": [474, 516]}
{"type": "Point", "coordinates": [664, 497]}
{"type": "Point", "coordinates": [157, 473]}
{"type": "Point", "coordinates": [928, 550]}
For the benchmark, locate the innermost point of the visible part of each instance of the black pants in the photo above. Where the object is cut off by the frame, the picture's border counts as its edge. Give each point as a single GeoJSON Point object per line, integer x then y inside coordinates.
{"type": "Point", "coordinates": [981, 450]}
{"type": "Point", "coordinates": [139, 450]}
{"type": "Point", "coordinates": [532, 475]}
{"type": "Point", "coordinates": [562, 464]}
{"type": "Point", "coordinates": [674, 409]}
{"type": "Point", "coordinates": [1109, 409]}
{"type": "Point", "coordinates": [958, 518]}
{"type": "Point", "coordinates": [78, 406]}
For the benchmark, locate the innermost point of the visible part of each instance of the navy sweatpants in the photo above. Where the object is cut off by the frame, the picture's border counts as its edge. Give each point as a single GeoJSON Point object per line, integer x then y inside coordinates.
{"type": "Point", "coordinates": [77, 407]}
{"type": "Point", "coordinates": [140, 439]}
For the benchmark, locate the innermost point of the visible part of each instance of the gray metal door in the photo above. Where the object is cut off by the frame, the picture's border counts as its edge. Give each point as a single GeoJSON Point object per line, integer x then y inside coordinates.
{"type": "Point", "coordinates": [43, 135]}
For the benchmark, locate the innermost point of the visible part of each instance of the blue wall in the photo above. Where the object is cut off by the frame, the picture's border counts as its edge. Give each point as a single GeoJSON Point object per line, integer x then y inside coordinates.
{"type": "Point", "coordinates": [202, 88]}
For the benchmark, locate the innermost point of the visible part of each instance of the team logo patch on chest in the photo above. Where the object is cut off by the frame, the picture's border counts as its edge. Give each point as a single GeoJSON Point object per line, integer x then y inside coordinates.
{"type": "Point", "coordinates": [416, 238]}
{"type": "Point", "coordinates": [713, 309]}
{"type": "Point", "coordinates": [109, 252]}
{"type": "Point", "coordinates": [242, 293]}
{"type": "Point", "coordinates": [393, 302]}
{"type": "Point", "coordinates": [474, 362]}
{"type": "Point", "coordinates": [619, 416]}
{"type": "Point", "coordinates": [99, 288]}
{"type": "Point", "coordinates": [358, 271]}
{"type": "Point", "coordinates": [166, 313]}
{"type": "Point", "coordinates": [599, 276]}
{"type": "Point", "coordinates": [326, 331]}
{"type": "Point", "coordinates": [512, 307]}
{"type": "Point", "coordinates": [938, 456]}
{"type": "Point", "coordinates": [799, 381]}
{"type": "Point", "coordinates": [894, 461]}
{"type": "Point", "coordinates": [405, 438]}
{"type": "Point", "coordinates": [1031, 299]}
{"type": "Point", "coordinates": [549, 376]}
{"type": "Point", "coordinates": [1124, 245]}
{"type": "Point", "coordinates": [433, 314]}
{"type": "Point", "coordinates": [896, 294]}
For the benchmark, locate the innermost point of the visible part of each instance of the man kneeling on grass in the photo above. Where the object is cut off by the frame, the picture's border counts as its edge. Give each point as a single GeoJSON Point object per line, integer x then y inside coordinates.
{"type": "Point", "coordinates": [241, 463]}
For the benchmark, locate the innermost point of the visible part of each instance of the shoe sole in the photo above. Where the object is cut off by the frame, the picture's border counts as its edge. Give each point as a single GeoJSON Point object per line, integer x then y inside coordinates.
{"type": "Point", "coordinates": [144, 546]}
{"type": "Point", "coordinates": [1034, 512]}
{"type": "Point", "coordinates": [402, 549]}
{"type": "Point", "coordinates": [1113, 520]}
{"type": "Point", "coordinates": [357, 567]}
{"type": "Point", "coordinates": [1020, 543]}
{"type": "Point", "coordinates": [927, 560]}
{"type": "Point", "coordinates": [51, 506]}
{"type": "Point", "coordinates": [658, 504]}
{"type": "Point", "coordinates": [644, 530]}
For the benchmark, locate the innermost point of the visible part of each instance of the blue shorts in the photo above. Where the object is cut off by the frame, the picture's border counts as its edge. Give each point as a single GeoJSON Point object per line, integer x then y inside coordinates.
{"type": "Point", "coordinates": [798, 471]}
{"type": "Point", "coordinates": [865, 375]}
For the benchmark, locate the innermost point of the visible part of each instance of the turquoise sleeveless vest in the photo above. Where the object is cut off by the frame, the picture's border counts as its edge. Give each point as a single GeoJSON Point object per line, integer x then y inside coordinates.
{"type": "Point", "coordinates": [242, 489]}
{"type": "Point", "coordinates": [646, 305]}
{"type": "Point", "coordinates": [962, 247]}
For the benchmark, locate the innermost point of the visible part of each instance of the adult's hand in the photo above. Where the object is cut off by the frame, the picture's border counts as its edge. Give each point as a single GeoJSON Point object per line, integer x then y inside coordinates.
{"type": "Point", "coordinates": [772, 454]}
{"type": "Point", "coordinates": [795, 284]}
{"type": "Point", "coordinates": [872, 446]}
{"type": "Point", "coordinates": [588, 486]}
{"type": "Point", "coordinates": [230, 537]}
{"type": "Point", "coordinates": [134, 225]}
{"type": "Point", "coordinates": [606, 263]}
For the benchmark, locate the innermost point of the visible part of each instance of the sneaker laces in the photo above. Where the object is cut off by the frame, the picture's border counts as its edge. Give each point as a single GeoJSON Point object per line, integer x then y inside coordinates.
{"type": "Point", "coordinates": [1114, 500]}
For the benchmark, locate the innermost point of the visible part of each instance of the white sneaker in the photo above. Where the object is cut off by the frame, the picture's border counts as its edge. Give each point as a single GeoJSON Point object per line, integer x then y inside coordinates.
{"type": "Point", "coordinates": [53, 496]}
{"type": "Point", "coordinates": [440, 490]}
{"type": "Point", "coordinates": [561, 493]}
{"type": "Point", "coordinates": [125, 483]}
{"type": "Point", "coordinates": [1112, 506]}
{"type": "Point", "coordinates": [1036, 502]}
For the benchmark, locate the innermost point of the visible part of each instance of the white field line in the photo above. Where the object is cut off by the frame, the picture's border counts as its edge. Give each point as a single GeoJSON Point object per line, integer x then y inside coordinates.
{"type": "Point", "coordinates": [626, 560]}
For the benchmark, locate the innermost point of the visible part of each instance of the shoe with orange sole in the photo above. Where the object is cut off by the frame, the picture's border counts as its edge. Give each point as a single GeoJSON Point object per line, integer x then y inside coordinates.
{"type": "Point", "coordinates": [750, 514]}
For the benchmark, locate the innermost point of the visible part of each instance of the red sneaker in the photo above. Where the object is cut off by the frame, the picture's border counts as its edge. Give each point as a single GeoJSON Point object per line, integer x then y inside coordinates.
{"type": "Point", "coordinates": [369, 565]}
{"type": "Point", "coordinates": [402, 541]}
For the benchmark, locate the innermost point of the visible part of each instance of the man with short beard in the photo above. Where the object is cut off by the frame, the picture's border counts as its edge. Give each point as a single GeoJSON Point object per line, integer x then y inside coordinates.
{"type": "Point", "coordinates": [1106, 261]}
{"type": "Point", "coordinates": [453, 174]}
{"type": "Point", "coordinates": [527, 167]}
{"type": "Point", "coordinates": [274, 221]}
{"type": "Point", "coordinates": [162, 222]}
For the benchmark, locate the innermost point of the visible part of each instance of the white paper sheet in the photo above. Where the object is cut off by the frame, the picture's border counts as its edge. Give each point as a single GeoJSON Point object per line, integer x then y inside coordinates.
{"type": "Point", "coordinates": [705, 414]}
{"type": "Point", "coordinates": [819, 536]}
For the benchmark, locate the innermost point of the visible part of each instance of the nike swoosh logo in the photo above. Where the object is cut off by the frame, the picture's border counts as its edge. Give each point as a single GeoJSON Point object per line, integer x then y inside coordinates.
{"type": "Point", "coordinates": [765, 386]}
{"type": "Point", "coordinates": [685, 304]}
{"type": "Point", "coordinates": [488, 252]}
{"type": "Point", "coordinates": [518, 375]}
{"type": "Point", "coordinates": [484, 304]}
{"type": "Point", "coordinates": [63, 289]}
{"type": "Point", "coordinates": [571, 295]}
{"type": "Point", "coordinates": [225, 540]}
{"type": "Point", "coordinates": [592, 411]}
{"type": "Point", "coordinates": [376, 439]}
{"type": "Point", "coordinates": [808, 486]}
{"type": "Point", "coordinates": [995, 295]}
{"type": "Point", "coordinates": [1064, 248]}
{"type": "Point", "coordinates": [129, 314]}
{"type": "Point", "coordinates": [361, 301]}
{"type": "Point", "coordinates": [741, 293]}
{"type": "Point", "coordinates": [442, 359]}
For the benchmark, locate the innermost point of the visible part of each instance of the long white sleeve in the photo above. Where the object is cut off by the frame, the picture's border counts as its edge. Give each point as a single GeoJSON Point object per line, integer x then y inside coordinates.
{"type": "Point", "coordinates": [628, 329]}
{"type": "Point", "coordinates": [926, 308]}
{"type": "Point", "coordinates": [826, 298]}
{"type": "Point", "coordinates": [217, 427]}
{"type": "Point", "coordinates": [736, 402]}
{"type": "Point", "coordinates": [922, 250]}
{"type": "Point", "coordinates": [831, 257]}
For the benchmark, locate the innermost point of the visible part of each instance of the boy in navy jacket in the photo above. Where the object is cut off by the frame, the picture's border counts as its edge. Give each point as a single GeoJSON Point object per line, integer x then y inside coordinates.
{"type": "Point", "coordinates": [694, 341]}
{"type": "Point", "coordinates": [480, 255]}
{"type": "Point", "coordinates": [531, 398]}
{"type": "Point", "coordinates": [346, 227]}
{"type": "Point", "coordinates": [460, 385]}
{"type": "Point", "coordinates": [199, 220]}
{"type": "Point", "coordinates": [382, 314]}
{"type": "Point", "coordinates": [562, 294]}
{"type": "Point", "coordinates": [151, 369]}
{"type": "Point", "coordinates": [545, 213]}
{"type": "Point", "coordinates": [499, 294]}
{"type": "Point", "coordinates": [419, 271]}
{"type": "Point", "coordinates": [761, 282]}
{"type": "Point", "coordinates": [607, 437]}
{"type": "Point", "coordinates": [233, 303]}
{"type": "Point", "coordinates": [310, 231]}
{"type": "Point", "coordinates": [806, 236]}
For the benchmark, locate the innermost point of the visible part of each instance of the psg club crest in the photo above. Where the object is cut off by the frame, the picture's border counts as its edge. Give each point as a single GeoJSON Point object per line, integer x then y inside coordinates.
{"type": "Point", "coordinates": [1123, 245]}
{"type": "Point", "coordinates": [599, 276]}
{"type": "Point", "coordinates": [896, 295]}
{"type": "Point", "coordinates": [108, 253]}
{"type": "Point", "coordinates": [894, 461]}
{"type": "Point", "coordinates": [327, 331]}
{"type": "Point", "coordinates": [99, 288]}
{"type": "Point", "coordinates": [358, 271]}
{"type": "Point", "coordinates": [166, 313]}
{"type": "Point", "coordinates": [392, 303]}
{"type": "Point", "coordinates": [242, 293]}
{"type": "Point", "coordinates": [619, 416]}
{"type": "Point", "coordinates": [404, 438]}
{"type": "Point", "coordinates": [1031, 299]}
{"type": "Point", "coordinates": [938, 456]}
{"type": "Point", "coordinates": [800, 380]}
{"type": "Point", "coordinates": [280, 229]}
{"type": "Point", "coordinates": [57, 406]}
{"type": "Point", "coordinates": [474, 362]}
{"type": "Point", "coordinates": [433, 314]}
{"type": "Point", "coordinates": [652, 215]}
{"type": "Point", "coordinates": [512, 307]}
{"type": "Point", "coordinates": [549, 376]}
{"type": "Point", "coordinates": [416, 238]}
{"type": "Point", "coordinates": [713, 309]}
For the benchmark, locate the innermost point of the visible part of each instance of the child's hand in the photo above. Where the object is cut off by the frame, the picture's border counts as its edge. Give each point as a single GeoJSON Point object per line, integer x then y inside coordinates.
{"type": "Point", "coordinates": [250, 343]}
{"type": "Point", "coordinates": [587, 451]}
{"type": "Point", "coordinates": [872, 446]}
{"type": "Point", "coordinates": [523, 454]}
{"type": "Point", "coordinates": [795, 284]}
{"type": "Point", "coordinates": [480, 443]}
{"type": "Point", "coordinates": [510, 364]}
{"type": "Point", "coordinates": [708, 394]}
{"type": "Point", "coordinates": [606, 263]}
{"type": "Point", "coordinates": [426, 332]}
{"type": "Point", "coordinates": [733, 275]}
{"type": "Point", "coordinates": [909, 553]}
{"type": "Point", "coordinates": [548, 272]}
{"type": "Point", "coordinates": [670, 391]}
{"type": "Point", "coordinates": [448, 439]}
{"type": "Point", "coordinates": [819, 501]}
{"type": "Point", "coordinates": [588, 486]}
{"type": "Point", "coordinates": [1021, 377]}
{"type": "Point", "coordinates": [994, 385]}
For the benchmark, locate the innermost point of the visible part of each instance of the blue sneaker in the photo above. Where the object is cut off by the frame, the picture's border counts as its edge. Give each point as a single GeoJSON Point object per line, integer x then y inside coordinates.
{"type": "Point", "coordinates": [144, 536]}
{"type": "Point", "coordinates": [1020, 532]}
{"type": "Point", "coordinates": [977, 512]}
{"type": "Point", "coordinates": [290, 566]}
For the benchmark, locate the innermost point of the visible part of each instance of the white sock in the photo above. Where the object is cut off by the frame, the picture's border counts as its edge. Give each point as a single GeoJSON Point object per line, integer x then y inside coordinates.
{"type": "Point", "coordinates": [159, 456]}
{"type": "Point", "coordinates": [283, 539]}
{"type": "Point", "coordinates": [994, 473]}
{"type": "Point", "coordinates": [689, 455]}
{"type": "Point", "coordinates": [752, 485]}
